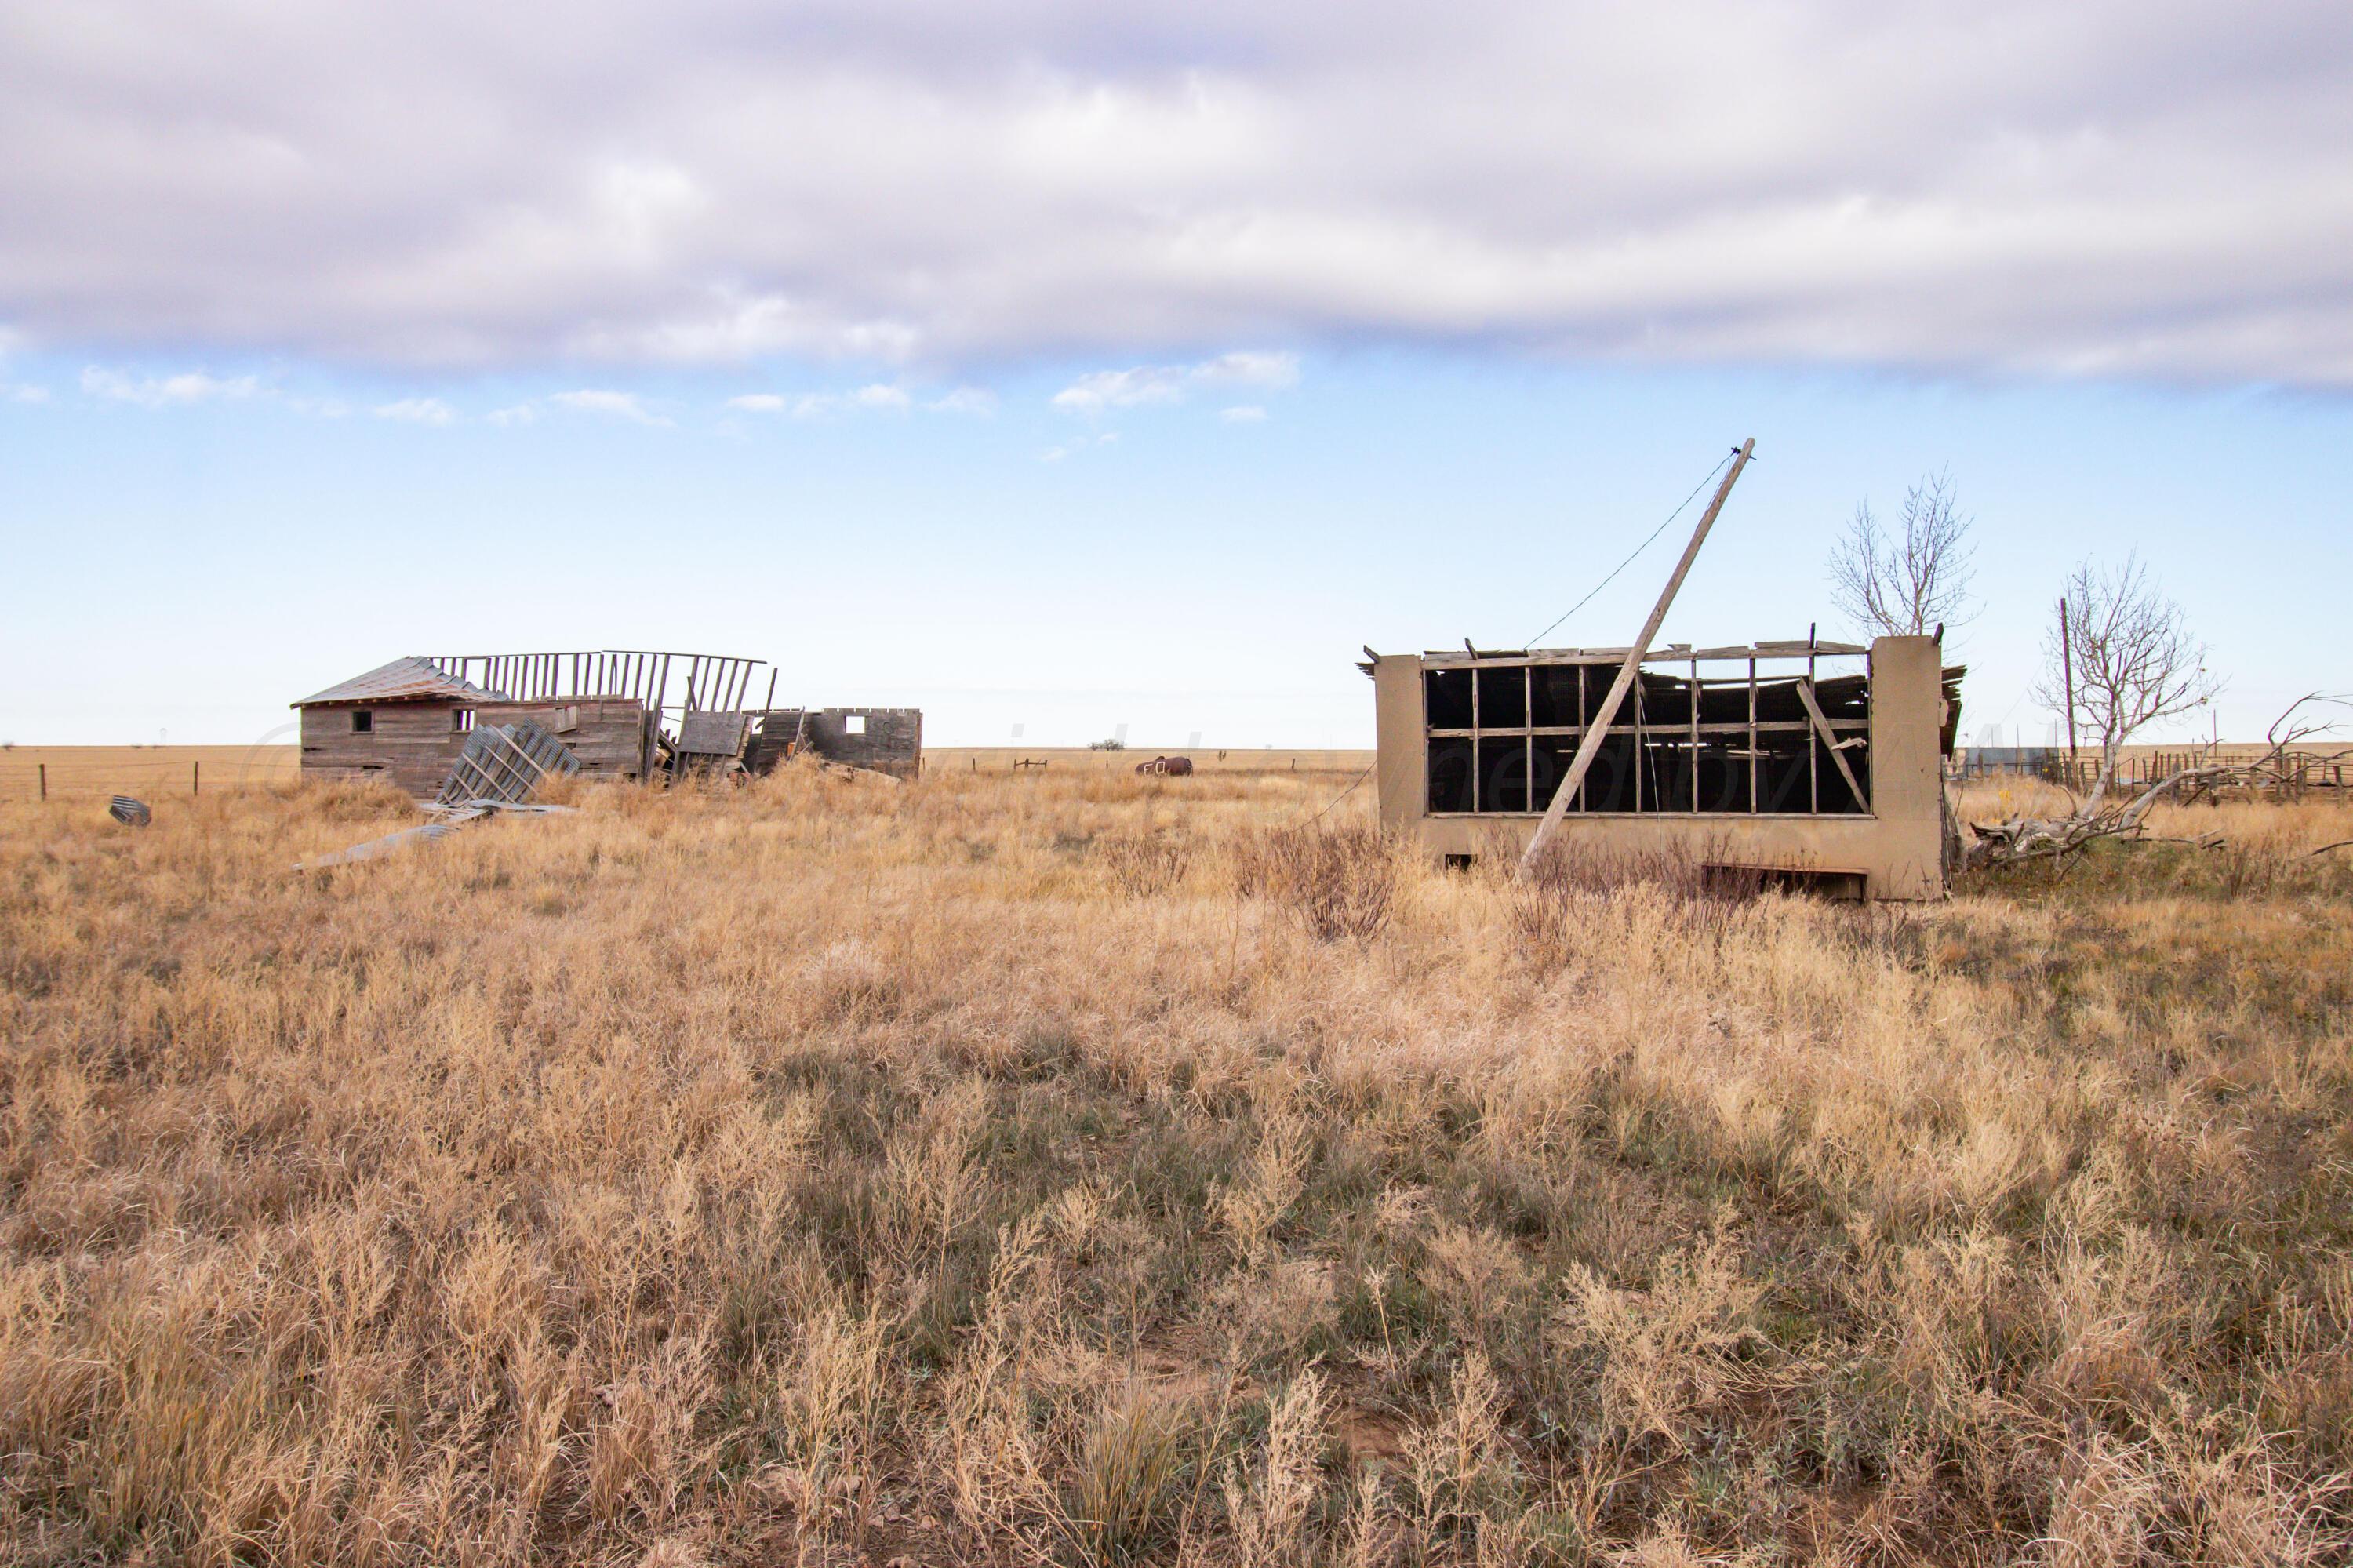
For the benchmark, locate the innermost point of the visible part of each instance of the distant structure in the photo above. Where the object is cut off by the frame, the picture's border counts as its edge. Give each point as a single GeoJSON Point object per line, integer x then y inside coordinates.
{"type": "Point", "coordinates": [1807, 762]}
{"type": "Point", "coordinates": [621, 714]}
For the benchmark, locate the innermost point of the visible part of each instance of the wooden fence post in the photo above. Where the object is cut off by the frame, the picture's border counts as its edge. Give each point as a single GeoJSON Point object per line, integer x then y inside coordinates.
{"type": "Point", "coordinates": [195, 778]}
{"type": "Point", "coordinates": [45, 781]}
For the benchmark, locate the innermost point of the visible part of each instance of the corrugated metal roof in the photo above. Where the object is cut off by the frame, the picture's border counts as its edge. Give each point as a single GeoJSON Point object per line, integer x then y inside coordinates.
{"type": "Point", "coordinates": [404, 680]}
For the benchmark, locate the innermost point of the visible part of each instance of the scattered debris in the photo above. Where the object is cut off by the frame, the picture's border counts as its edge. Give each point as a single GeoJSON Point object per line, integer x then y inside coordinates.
{"type": "Point", "coordinates": [1171, 767]}
{"type": "Point", "coordinates": [499, 769]}
{"type": "Point", "coordinates": [505, 765]}
{"type": "Point", "coordinates": [852, 772]}
{"type": "Point", "coordinates": [446, 820]}
{"type": "Point", "coordinates": [131, 813]}
{"type": "Point", "coordinates": [377, 848]}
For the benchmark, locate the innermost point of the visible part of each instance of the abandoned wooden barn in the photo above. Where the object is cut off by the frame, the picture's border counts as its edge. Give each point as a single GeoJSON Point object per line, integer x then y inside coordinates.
{"type": "Point", "coordinates": [621, 714]}
{"type": "Point", "coordinates": [1805, 761]}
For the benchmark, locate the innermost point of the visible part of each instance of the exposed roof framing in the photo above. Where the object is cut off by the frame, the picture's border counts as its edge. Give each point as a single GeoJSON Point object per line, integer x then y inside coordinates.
{"type": "Point", "coordinates": [1672, 654]}
{"type": "Point", "coordinates": [683, 682]}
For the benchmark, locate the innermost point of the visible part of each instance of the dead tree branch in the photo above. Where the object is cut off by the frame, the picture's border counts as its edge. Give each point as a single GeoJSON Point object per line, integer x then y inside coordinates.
{"type": "Point", "coordinates": [2279, 771]}
{"type": "Point", "coordinates": [1906, 587]}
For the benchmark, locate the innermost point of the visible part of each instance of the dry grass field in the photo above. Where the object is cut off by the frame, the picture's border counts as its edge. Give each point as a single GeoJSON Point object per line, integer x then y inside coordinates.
{"type": "Point", "coordinates": [154, 773]}
{"type": "Point", "coordinates": [1085, 760]}
{"type": "Point", "coordinates": [1093, 1169]}
{"type": "Point", "coordinates": [172, 772]}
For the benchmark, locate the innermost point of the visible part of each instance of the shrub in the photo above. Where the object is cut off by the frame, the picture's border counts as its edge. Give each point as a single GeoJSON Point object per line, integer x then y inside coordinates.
{"type": "Point", "coordinates": [1555, 900]}
{"type": "Point", "coordinates": [1145, 865]}
{"type": "Point", "coordinates": [1335, 882]}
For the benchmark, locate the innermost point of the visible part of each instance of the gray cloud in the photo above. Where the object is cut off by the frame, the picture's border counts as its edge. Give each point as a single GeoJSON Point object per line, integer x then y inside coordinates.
{"type": "Point", "coordinates": [2155, 190]}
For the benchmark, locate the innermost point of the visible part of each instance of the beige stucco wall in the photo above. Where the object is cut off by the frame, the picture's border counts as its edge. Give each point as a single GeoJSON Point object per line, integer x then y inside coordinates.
{"type": "Point", "coordinates": [1898, 848]}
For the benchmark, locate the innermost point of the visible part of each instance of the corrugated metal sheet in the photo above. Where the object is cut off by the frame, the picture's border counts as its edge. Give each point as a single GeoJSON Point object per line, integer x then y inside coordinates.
{"type": "Point", "coordinates": [408, 679]}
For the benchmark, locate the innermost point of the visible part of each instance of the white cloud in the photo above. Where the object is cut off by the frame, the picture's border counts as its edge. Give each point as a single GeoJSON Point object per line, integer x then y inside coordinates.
{"type": "Point", "coordinates": [1276, 372]}
{"type": "Point", "coordinates": [1242, 414]}
{"type": "Point", "coordinates": [615, 405]}
{"type": "Point", "coordinates": [1146, 384]}
{"type": "Point", "coordinates": [159, 391]}
{"type": "Point", "coordinates": [520, 414]}
{"type": "Point", "coordinates": [1102, 389]}
{"type": "Point", "coordinates": [1077, 444]}
{"type": "Point", "coordinates": [964, 400]}
{"type": "Point", "coordinates": [417, 411]}
{"type": "Point", "coordinates": [24, 392]}
{"type": "Point", "coordinates": [876, 399]}
{"type": "Point", "coordinates": [2107, 188]}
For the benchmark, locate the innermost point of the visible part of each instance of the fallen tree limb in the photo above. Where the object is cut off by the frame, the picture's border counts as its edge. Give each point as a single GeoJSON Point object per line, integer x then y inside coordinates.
{"type": "Point", "coordinates": [2275, 772]}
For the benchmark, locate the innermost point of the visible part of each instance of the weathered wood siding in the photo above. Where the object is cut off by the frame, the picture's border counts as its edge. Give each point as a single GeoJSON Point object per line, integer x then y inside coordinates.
{"type": "Point", "coordinates": [412, 744]}
{"type": "Point", "coordinates": [610, 736]}
{"type": "Point", "coordinates": [893, 741]}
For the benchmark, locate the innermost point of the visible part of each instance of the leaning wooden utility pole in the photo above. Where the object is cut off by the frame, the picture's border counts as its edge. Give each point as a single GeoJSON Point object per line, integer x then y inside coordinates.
{"type": "Point", "coordinates": [1599, 721]}
{"type": "Point", "coordinates": [2067, 674]}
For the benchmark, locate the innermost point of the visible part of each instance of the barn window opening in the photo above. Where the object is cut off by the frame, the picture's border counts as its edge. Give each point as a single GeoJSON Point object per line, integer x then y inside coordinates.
{"type": "Point", "coordinates": [363, 722]}
{"type": "Point", "coordinates": [1500, 736]}
{"type": "Point", "coordinates": [855, 723]}
{"type": "Point", "coordinates": [462, 720]}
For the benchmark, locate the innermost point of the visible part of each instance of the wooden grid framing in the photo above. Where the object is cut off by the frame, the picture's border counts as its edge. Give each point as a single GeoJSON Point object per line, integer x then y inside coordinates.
{"type": "Point", "coordinates": [1833, 734]}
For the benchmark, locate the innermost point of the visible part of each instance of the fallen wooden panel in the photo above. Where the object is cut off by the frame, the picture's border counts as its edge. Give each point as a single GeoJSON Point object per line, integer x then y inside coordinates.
{"type": "Point", "coordinates": [717, 732]}
{"type": "Point", "coordinates": [375, 849]}
{"type": "Point", "coordinates": [505, 765]}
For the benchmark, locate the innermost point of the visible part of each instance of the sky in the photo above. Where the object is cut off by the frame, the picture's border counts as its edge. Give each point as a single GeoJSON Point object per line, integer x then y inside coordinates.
{"type": "Point", "coordinates": [1070, 370]}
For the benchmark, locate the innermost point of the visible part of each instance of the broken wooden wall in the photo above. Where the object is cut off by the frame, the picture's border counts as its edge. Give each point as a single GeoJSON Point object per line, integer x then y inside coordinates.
{"type": "Point", "coordinates": [611, 736]}
{"type": "Point", "coordinates": [891, 741]}
{"type": "Point", "coordinates": [410, 745]}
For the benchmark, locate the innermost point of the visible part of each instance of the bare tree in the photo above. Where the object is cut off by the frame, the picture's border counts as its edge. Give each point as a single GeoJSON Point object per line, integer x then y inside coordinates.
{"type": "Point", "coordinates": [1906, 587]}
{"type": "Point", "coordinates": [2129, 656]}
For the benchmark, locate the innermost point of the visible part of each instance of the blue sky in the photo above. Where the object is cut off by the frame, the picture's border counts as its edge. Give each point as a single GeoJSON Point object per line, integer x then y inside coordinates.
{"type": "Point", "coordinates": [1072, 370]}
{"type": "Point", "coordinates": [191, 567]}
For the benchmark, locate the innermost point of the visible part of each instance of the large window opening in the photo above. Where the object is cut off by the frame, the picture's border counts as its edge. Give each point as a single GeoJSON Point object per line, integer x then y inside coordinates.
{"type": "Point", "coordinates": [1792, 737]}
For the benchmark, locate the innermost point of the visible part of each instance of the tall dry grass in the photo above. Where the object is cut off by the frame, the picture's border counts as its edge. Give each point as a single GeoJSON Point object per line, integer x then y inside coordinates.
{"type": "Point", "coordinates": [1039, 1169]}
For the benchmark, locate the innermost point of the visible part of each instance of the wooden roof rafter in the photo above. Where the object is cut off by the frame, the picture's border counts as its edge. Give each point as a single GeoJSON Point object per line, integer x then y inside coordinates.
{"type": "Point", "coordinates": [1670, 654]}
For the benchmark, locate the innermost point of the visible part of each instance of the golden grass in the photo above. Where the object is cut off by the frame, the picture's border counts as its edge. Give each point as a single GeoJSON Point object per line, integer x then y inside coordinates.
{"type": "Point", "coordinates": [150, 772]}
{"type": "Point", "coordinates": [1059, 759]}
{"type": "Point", "coordinates": [1010, 1170]}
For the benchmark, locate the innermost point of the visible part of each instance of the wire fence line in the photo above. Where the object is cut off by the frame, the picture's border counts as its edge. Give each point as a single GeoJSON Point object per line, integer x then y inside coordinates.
{"type": "Point", "coordinates": [175, 772]}
{"type": "Point", "coordinates": [167, 772]}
